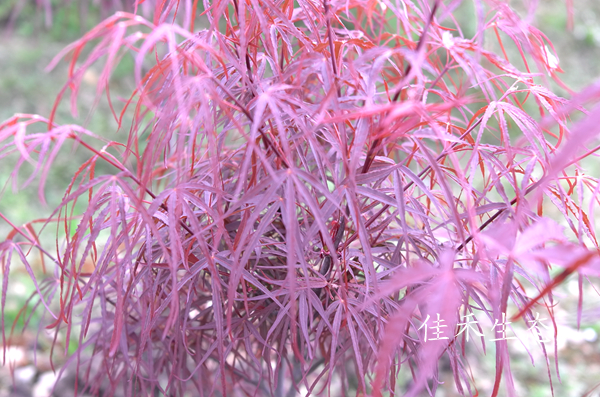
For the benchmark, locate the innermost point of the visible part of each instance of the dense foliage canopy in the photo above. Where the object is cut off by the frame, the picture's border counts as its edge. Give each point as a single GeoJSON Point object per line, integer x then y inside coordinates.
{"type": "Point", "coordinates": [300, 186]}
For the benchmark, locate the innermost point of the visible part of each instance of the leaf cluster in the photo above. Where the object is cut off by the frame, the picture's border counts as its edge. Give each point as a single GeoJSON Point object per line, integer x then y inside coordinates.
{"type": "Point", "coordinates": [302, 184]}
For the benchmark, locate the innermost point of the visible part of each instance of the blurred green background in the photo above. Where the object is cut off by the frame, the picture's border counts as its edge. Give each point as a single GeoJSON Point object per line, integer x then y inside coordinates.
{"type": "Point", "coordinates": [28, 45]}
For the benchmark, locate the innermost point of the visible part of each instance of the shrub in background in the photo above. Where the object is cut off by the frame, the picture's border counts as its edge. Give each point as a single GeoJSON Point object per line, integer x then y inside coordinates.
{"type": "Point", "coordinates": [302, 186]}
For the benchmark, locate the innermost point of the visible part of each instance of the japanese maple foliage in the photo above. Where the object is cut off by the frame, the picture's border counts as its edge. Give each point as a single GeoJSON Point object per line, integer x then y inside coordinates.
{"type": "Point", "coordinates": [302, 185]}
